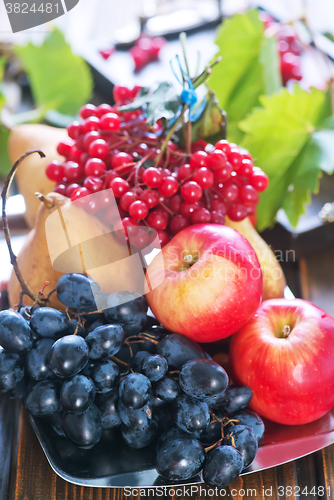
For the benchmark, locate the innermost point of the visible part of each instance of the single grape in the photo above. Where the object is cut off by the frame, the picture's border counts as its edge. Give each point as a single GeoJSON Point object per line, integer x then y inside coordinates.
{"type": "Point", "coordinates": [68, 356]}
{"type": "Point", "coordinates": [11, 370]}
{"type": "Point", "coordinates": [136, 419]}
{"type": "Point", "coordinates": [212, 433]}
{"type": "Point", "coordinates": [56, 422]}
{"type": "Point", "coordinates": [107, 405]}
{"type": "Point", "coordinates": [75, 327]}
{"type": "Point", "coordinates": [178, 349]}
{"type": "Point", "coordinates": [105, 341]}
{"type": "Point", "coordinates": [251, 420]}
{"type": "Point", "coordinates": [173, 433]}
{"type": "Point", "coordinates": [135, 390]}
{"type": "Point", "coordinates": [236, 398]}
{"type": "Point", "coordinates": [137, 360]}
{"type": "Point", "coordinates": [139, 438]}
{"type": "Point", "coordinates": [190, 414]}
{"type": "Point", "coordinates": [245, 441]}
{"type": "Point", "coordinates": [49, 322]}
{"type": "Point", "coordinates": [203, 379]}
{"type": "Point", "coordinates": [43, 399]}
{"type": "Point", "coordinates": [15, 333]}
{"type": "Point", "coordinates": [37, 360]}
{"type": "Point", "coordinates": [26, 312]}
{"type": "Point", "coordinates": [125, 307]}
{"type": "Point", "coordinates": [105, 375]}
{"type": "Point", "coordinates": [77, 291]}
{"type": "Point", "coordinates": [85, 430]}
{"type": "Point", "coordinates": [181, 459]}
{"type": "Point", "coordinates": [222, 466]}
{"type": "Point", "coordinates": [77, 394]}
{"type": "Point", "coordinates": [98, 322]}
{"type": "Point", "coordinates": [154, 367]}
{"type": "Point", "coordinates": [167, 389]}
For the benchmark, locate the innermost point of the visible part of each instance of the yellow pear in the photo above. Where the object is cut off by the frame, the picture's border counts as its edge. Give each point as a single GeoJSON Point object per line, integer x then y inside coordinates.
{"type": "Point", "coordinates": [65, 239]}
{"type": "Point", "coordinates": [273, 276]}
{"type": "Point", "coordinates": [30, 176]}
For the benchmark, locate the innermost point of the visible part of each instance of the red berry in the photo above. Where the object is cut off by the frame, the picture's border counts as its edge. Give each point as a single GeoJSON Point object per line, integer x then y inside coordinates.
{"type": "Point", "coordinates": [90, 124]}
{"type": "Point", "coordinates": [296, 48]}
{"type": "Point", "coordinates": [61, 189]}
{"type": "Point", "coordinates": [204, 177]}
{"type": "Point", "coordinates": [163, 238]}
{"type": "Point", "coordinates": [199, 159]}
{"type": "Point", "coordinates": [138, 236]}
{"type": "Point", "coordinates": [238, 212]}
{"type": "Point", "coordinates": [55, 171]}
{"type": "Point", "coordinates": [134, 91]}
{"type": "Point", "coordinates": [92, 207]}
{"type": "Point", "coordinates": [73, 171]}
{"type": "Point", "coordinates": [200, 216]}
{"type": "Point", "coordinates": [126, 200]}
{"type": "Point", "coordinates": [169, 186]}
{"type": "Point", "coordinates": [75, 154]}
{"type": "Point", "coordinates": [124, 224]}
{"type": "Point", "coordinates": [140, 57]}
{"type": "Point", "coordinates": [87, 111]}
{"type": "Point", "coordinates": [110, 121]}
{"type": "Point", "coordinates": [109, 177]}
{"type": "Point", "coordinates": [259, 180]}
{"type": "Point", "coordinates": [188, 208]}
{"type": "Point", "coordinates": [64, 148]}
{"type": "Point", "coordinates": [121, 93]}
{"type": "Point", "coordinates": [248, 195]}
{"type": "Point", "coordinates": [138, 210]}
{"type": "Point", "coordinates": [74, 130]}
{"type": "Point", "coordinates": [223, 174]}
{"type": "Point", "coordinates": [217, 218]}
{"type": "Point", "coordinates": [283, 47]}
{"type": "Point", "coordinates": [224, 146]}
{"type": "Point", "coordinates": [178, 223]}
{"type": "Point", "coordinates": [80, 193]}
{"type": "Point", "coordinates": [251, 209]}
{"type": "Point", "coordinates": [71, 188]}
{"type": "Point", "coordinates": [184, 172]}
{"type": "Point", "coordinates": [191, 191]}
{"type": "Point", "coordinates": [199, 145]}
{"type": "Point", "coordinates": [99, 149]}
{"type": "Point", "coordinates": [119, 186]}
{"type": "Point", "coordinates": [89, 138]}
{"type": "Point", "coordinates": [219, 206]}
{"type": "Point", "coordinates": [217, 159]}
{"type": "Point", "coordinates": [93, 184]}
{"type": "Point", "coordinates": [105, 199]}
{"type": "Point", "coordinates": [152, 177]}
{"type": "Point", "coordinates": [122, 162]}
{"type": "Point", "coordinates": [156, 45]}
{"type": "Point", "coordinates": [95, 167]}
{"type": "Point", "coordinates": [157, 220]}
{"type": "Point", "coordinates": [103, 109]}
{"type": "Point", "coordinates": [246, 168]}
{"type": "Point", "coordinates": [165, 172]}
{"type": "Point", "coordinates": [174, 203]}
{"type": "Point", "coordinates": [235, 158]}
{"type": "Point", "coordinates": [290, 67]}
{"type": "Point", "coordinates": [130, 116]}
{"type": "Point", "coordinates": [229, 191]}
{"type": "Point", "coordinates": [151, 198]}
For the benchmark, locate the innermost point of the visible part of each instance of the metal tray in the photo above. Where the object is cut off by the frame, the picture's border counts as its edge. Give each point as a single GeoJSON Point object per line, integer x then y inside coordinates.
{"type": "Point", "coordinates": [112, 464]}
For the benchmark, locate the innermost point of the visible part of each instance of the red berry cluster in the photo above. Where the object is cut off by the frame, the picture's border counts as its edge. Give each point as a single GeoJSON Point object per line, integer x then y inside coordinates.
{"type": "Point", "coordinates": [110, 150]}
{"type": "Point", "coordinates": [290, 49]}
{"type": "Point", "coordinates": [145, 50]}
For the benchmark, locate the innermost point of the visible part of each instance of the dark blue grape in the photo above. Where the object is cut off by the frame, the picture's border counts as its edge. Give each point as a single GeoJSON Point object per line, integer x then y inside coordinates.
{"type": "Point", "coordinates": [49, 322]}
{"type": "Point", "coordinates": [152, 323]}
{"type": "Point", "coordinates": [76, 328]}
{"type": "Point", "coordinates": [15, 333]}
{"type": "Point", "coordinates": [167, 389]}
{"type": "Point", "coordinates": [203, 379]}
{"type": "Point", "coordinates": [245, 441]}
{"type": "Point", "coordinates": [107, 405]}
{"type": "Point", "coordinates": [37, 360]}
{"type": "Point", "coordinates": [11, 371]}
{"type": "Point", "coordinates": [77, 394]}
{"type": "Point", "coordinates": [190, 414]}
{"type": "Point", "coordinates": [126, 308]}
{"type": "Point", "coordinates": [105, 375]}
{"type": "Point", "coordinates": [136, 419]}
{"type": "Point", "coordinates": [237, 397]}
{"type": "Point", "coordinates": [139, 438]}
{"type": "Point", "coordinates": [43, 399]}
{"type": "Point", "coordinates": [178, 349]}
{"type": "Point", "coordinates": [68, 356]}
{"type": "Point", "coordinates": [212, 433]}
{"type": "Point", "coordinates": [135, 390]}
{"type": "Point", "coordinates": [78, 291]}
{"type": "Point", "coordinates": [26, 311]}
{"type": "Point", "coordinates": [154, 367]}
{"type": "Point", "coordinates": [56, 422]}
{"type": "Point", "coordinates": [252, 420]}
{"type": "Point", "coordinates": [222, 466]}
{"type": "Point", "coordinates": [132, 329]}
{"type": "Point", "coordinates": [180, 459]}
{"type": "Point", "coordinates": [96, 324]}
{"type": "Point", "coordinates": [173, 433]}
{"type": "Point", "coordinates": [105, 341]}
{"type": "Point", "coordinates": [137, 360]}
{"type": "Point", "coordinates": [85, 430]}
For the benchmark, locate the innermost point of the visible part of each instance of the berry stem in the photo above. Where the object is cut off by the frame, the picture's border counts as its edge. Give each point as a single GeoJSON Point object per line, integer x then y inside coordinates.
{"type": "Point", "coordinates": [169, 135]}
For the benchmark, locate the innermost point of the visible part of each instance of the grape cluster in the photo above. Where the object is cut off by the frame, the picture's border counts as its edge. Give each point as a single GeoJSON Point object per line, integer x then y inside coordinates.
{"type": "Point", "coordinates": [117, 152]}
{"type": "Point", "coordinates": [119, 368]}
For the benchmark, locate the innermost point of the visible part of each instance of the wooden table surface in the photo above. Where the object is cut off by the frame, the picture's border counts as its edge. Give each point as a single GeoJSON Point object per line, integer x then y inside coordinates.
{"type": "Point", "coordinates": [26, 474]}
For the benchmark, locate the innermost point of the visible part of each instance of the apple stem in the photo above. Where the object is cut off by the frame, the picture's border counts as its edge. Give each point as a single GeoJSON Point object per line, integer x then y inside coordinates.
{"type": "Point", "coordinates": [286, 330]}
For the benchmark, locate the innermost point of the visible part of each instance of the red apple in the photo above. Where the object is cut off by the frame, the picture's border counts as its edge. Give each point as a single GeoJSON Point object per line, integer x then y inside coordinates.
{"type": "Point", "coordinates": [285, 354]}
{"type": "Point", "coordinates": [212, 282]}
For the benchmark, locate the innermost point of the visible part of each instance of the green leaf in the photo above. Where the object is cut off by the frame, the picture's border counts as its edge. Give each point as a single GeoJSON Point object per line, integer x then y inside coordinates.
{"type": "Point", "coordinates": [249, 68]}
{"type": "Point", "coordinates": [4, 158]}
{"type": "Point", "coordinates": [276, 135]}
{"type": "Point", "coordinates": [211, 125]}
{"type": "Point", "coordinates": [162, 102]}
{"type": "Point", "coordinates": [55, 74]}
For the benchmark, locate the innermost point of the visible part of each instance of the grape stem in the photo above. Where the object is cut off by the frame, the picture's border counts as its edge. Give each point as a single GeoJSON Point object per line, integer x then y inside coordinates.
{"type": "Point", "coordinates": [25, 288]}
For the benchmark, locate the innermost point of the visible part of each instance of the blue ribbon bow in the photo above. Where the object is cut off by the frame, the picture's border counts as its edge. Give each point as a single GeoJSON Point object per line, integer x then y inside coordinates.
{"type": "Point", "coordinates": [188, 95]}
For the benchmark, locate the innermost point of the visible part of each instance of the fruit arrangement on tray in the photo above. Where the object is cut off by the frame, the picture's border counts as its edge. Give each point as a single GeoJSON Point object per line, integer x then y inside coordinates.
{"type": "Point", "coordinates": [154, 175]}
